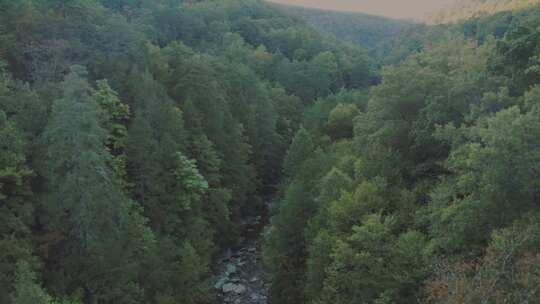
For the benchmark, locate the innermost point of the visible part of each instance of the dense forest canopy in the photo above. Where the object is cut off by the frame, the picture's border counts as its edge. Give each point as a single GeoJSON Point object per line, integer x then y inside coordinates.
{"type": "Point", "coordinates": [135, 134]}
{"type": "Point", "coordinates": [425, 189]}
{"type": "Point", "coordinates": [136, 137]}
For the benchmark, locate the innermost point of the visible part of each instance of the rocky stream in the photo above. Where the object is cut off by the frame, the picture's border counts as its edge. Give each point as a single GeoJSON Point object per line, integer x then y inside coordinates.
{"type": "Point", "coordinates": [240, 277]}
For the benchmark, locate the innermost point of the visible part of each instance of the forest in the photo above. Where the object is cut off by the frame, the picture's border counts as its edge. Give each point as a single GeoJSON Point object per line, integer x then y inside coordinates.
{"type": "Point", "coordinates": [399, 162]}
{"type": "Point", "coordinates": [461, 10]}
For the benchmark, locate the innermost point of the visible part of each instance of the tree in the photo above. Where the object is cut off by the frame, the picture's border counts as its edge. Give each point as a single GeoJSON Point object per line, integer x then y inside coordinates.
{"type": "Point", "coordinates": [177, 198]}
{"type": "Point", "coordinates": [209, 164]}
{"type": "Point", "coordinates": [372, 265]}
{"type": "Point", "coordinates": [16, 208]}
{"type": "Point", "coordinates": [506, 273]}
{"type": "Point", "coordinates": [113, 118]}
{"type": "Point", "coordinates": [285, 255]}
{"type": "Point", "coordinates": [22, 106]}
{"type": "Point", "coordinates": [494, 179]}
{"type": "Point", "coordinates": [27, 290]}
{"type": "Point", "coordinates": [340, 121]}
{"type": "Point", "coordinates": [269, 144]}
{"type": "Point", "coordinates": [323, 72]}
{"type": "Point", "coordinates": [85, 205]}
{"type": "Point", "coordinates": [302, 147]}
{"type": "Point", "coordinates": [286, 246]}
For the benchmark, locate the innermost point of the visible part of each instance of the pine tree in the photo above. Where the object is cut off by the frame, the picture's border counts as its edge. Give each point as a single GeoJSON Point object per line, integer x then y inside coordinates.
{"type": "Point", "coordinates": [174, 194]}
{"type": "Point", "coordinates": [101, 236]}
{"type": "Point", "coordinates": [269, 146]}
{"type": "Point", "coordinates": [113, 118]}
{"type": "Point", "coordinates": [27, 290]}
{"type": "Point", "coordinates": [301, 149]}
{"type": "Point", "coordinates": [16, 209]}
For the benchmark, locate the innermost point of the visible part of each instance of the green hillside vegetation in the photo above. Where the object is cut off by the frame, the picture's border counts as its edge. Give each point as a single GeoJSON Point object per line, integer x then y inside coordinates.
{"type": "Point", "coordinates": [424, 190]}
{"type": "Point", "coordinates": [466, 9]}
{"type": "Point", "coordinates": [136, 134]}
{"type": "Point", "coordinates": [374, 33]}
{"type": "Point", "coordinates": [478, 29]}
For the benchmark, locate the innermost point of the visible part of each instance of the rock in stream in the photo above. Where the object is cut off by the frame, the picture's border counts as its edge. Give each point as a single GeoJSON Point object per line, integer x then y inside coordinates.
{"type": "Point", "coordinates": [240, 278]}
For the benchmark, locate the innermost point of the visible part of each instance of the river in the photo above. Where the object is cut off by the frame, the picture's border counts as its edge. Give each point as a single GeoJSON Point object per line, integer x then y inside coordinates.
{"type": "Point", "coordinates": [240, 278]}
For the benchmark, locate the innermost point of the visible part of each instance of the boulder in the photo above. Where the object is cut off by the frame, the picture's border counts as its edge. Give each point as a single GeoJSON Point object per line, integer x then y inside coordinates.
{"type": "Point", "coordinates": [230, 269]}
{"type": "Point", "coordinates": [236, 288]}
{"type": "Point", "coordinates": [220, 283]}
{"type": "Point", "coordinates": [240, 289]}
{"type": "Point", "coordinates": [229, 287]}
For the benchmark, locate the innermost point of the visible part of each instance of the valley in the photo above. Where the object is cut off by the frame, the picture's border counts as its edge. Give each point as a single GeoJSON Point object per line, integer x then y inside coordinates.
{"type": "Point", "coordinates": [243, 152]}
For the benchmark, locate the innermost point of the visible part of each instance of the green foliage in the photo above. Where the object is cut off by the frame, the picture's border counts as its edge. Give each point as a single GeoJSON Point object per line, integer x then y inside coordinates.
{"type": "Point", "coordinates": [84, 206]}
{"type": "Point", "coordinates": [431, 192]}
{"type": "Point", "coordinates": [371, 264]}
{"type": "Point", "coordinates": [494, 181]}
{"type": "Point", "coordinates": [340, 121]}
{"type": "Point", "coordinates": [302, 147]}
{"type": "Point", "coordinates": [373, 33]}
{"type": "Point", "coordinates": [27, 290]}
{"type": "Point", "coordinates": [519, 56]}
{"type": "Point", "coordinates": [465, 9]}
{"type": "Point", "coordinates": [15, 205]}
{"type": "Point", "coordinates": [506, 273]}
{"type": "Point", "coordinates": [114, 115]}
{"type": "Point", "coordinates": [151, 153]}
{"type": "Point", "coordinates": [189, 179]}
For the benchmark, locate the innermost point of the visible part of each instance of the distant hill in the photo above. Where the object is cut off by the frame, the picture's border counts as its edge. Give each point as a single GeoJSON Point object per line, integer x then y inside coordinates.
{"type": "Point", "coordinates": [374, 33]}
{"type": "Point", "coordinates": [467, 9]}
{"type": "Point", "coordinates": [478, 28]}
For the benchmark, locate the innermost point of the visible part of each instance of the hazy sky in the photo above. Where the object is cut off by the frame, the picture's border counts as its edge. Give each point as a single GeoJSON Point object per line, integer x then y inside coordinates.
{"type": "Point", "coordinates": [390, 8]}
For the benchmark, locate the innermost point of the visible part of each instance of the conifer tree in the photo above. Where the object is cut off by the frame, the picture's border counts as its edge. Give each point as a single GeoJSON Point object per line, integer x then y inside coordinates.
{"type": "Point", "coordinates": [16, 209]}
{"type": "Point", "coordinates": [27, 290]}
{"type": "Point", "coordinates": [101, 237]}
{"type": "Point", "coordinates": [113, 118]}
{"type": "Point", "coordinates": [302, 147]}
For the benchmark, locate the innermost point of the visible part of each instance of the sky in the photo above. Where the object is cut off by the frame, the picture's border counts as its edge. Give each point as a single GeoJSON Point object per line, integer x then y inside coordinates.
{"type": "Point", "coordinates": [409, 9]}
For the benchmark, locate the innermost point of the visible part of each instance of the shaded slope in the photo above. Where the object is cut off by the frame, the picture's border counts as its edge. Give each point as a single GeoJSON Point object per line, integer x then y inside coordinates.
{"type": "Point", "coordinates": [374, 33]}
{"type": "Point", "coordinates": [467, 9]}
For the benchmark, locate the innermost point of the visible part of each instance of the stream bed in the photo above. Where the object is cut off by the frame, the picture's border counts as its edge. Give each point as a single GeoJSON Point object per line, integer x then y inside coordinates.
{"type": "Point", "coordinates": [240, 278]}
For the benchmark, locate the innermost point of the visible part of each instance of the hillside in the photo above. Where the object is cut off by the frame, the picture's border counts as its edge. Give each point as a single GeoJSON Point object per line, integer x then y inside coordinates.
{"type": "Point", "coordinates": [136, 137]}
{"type": "Point", "coordinates": [465, 9]}
{"type": "Point", "coordinates": [374, 33]}
{"type": "Point", "coordinates": [233, 152]}
{"type": "Point", "coordinates": [425, 190]}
